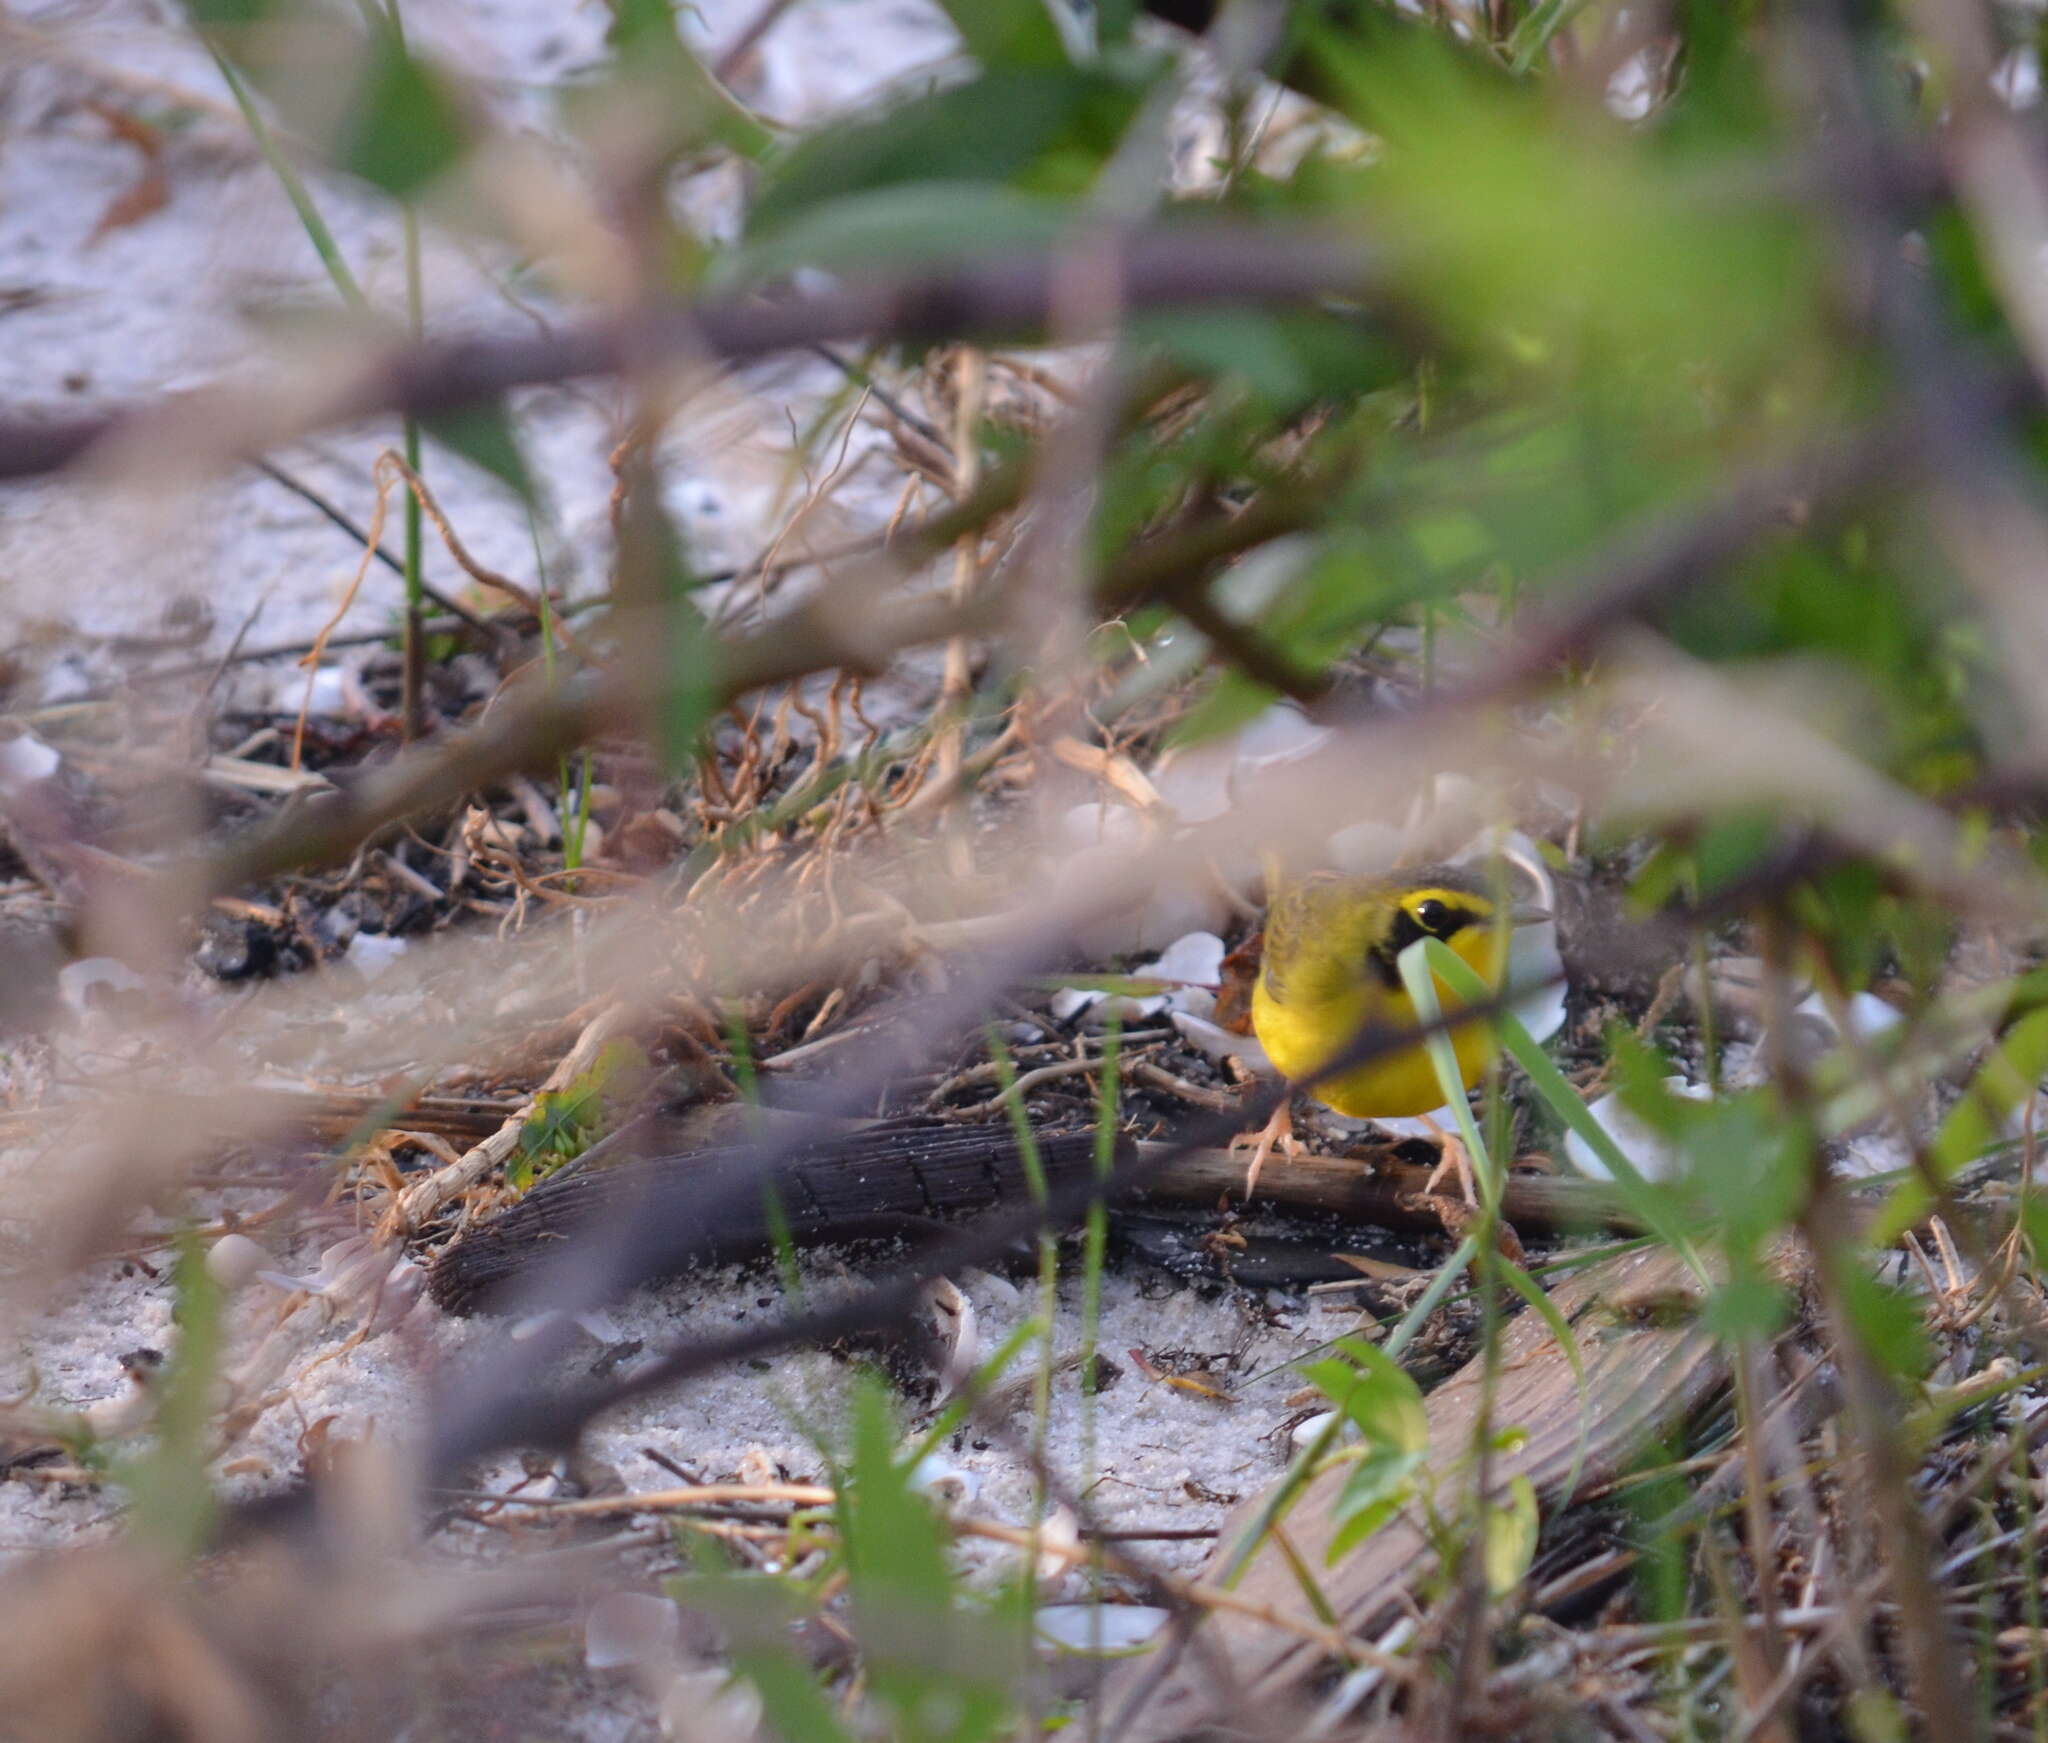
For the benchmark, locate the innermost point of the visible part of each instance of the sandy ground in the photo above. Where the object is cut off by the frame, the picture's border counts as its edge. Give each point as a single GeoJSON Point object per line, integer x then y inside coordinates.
{"type": "Point", "coordinates": [185, 294]}
{"type": "Point", "coordinates": [182, 296]}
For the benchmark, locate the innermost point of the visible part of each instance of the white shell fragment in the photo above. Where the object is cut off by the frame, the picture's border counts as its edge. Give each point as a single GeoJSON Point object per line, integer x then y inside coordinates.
{"type": "Point", "coordinates": [1307, 1431]}
{"type": "Point", "coordinates": [234, 1260]}
{"type": "Point", "coordinates": [25, 760]}
{"type": "Point", "coordinates": [628, 1629]}
{"type": "Point", "coordinates": [1534, 960]}
{"type": "Point", "coordinates": [371, 953]}
{"type": "Point", "coordinates": [949, 1484]}
{"type": "Point", "coordinates": [1220, 1044]}
{"type": "Point", "coordinates": [1868, 1015]}
{"type": "Point", "coordinates": [708, 1706]}
{"type": "Point", "coordinates": [1653, 1158]}
{"type": "Point", "coordinates": [360, 1273]}
{"type": "Point", "coordinates": [86, 982]}
{"type": "Point", "coordinates": [335, 693]}
{"type": "Point", "coordinates": [1194, 960]}
{"type": "Point", "coordinates": [594, 1324]}
{"type": "Point", "coordinates": [1103, 1628]}
{"type": "Point", "coordinates": [952, 1316]}
{"type": "Point", "coordinates": [1414, 1125]}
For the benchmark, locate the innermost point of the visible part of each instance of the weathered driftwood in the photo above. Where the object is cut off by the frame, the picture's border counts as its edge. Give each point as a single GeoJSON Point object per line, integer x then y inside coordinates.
{"type": "Point", "coordinates": [891, 1177]}
{"type": "Point", "coordinates": [1379, 1191]}
{"type": "Point", "coordinates": [1647, 1370]}
{"type": "Point", "coordinates": [705, 1207]}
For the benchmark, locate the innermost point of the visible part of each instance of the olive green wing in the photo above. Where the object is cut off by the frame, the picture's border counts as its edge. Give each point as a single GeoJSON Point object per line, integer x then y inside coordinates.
{"type": "Point", "coordinates": [1293, 920]}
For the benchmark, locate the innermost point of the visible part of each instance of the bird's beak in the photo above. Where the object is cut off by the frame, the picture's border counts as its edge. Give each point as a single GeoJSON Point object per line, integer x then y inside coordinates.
{"type": "Point", "coordinates": [1528, 914]}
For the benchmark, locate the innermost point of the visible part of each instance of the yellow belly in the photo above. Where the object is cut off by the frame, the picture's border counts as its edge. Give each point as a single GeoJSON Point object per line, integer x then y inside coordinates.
{"type": "Point", "coordinates": [1301, 1039]}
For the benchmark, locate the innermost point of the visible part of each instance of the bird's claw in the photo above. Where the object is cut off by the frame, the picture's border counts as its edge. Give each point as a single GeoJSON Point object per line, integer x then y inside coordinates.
{"type": "Point", "coordinates": [1277, 1133]}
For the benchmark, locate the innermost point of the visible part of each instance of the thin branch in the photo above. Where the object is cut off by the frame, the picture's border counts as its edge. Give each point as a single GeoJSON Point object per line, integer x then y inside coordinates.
{"type": "Point", "coordinates": [1182, 265]}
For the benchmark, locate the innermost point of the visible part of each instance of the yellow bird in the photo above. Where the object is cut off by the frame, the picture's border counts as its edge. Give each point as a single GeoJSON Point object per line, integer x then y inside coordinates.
{"type": "Point", "coordinates": [1329, 978]}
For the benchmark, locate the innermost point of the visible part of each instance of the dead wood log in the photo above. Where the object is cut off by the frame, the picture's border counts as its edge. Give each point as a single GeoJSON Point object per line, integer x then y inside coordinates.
{"type": "Point", "coordinates": [896, 1176]}
{"type": "Point", "coordinates": [1378, 1190]}
{"type": "Point", "coordinates": [706, 1207]}
{"type": "Point", "coordinates": [1647, 1371]}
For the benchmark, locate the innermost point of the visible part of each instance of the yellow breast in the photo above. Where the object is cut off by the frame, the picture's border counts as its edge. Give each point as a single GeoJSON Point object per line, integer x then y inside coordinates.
{"type": "Point", "coordinates": [1325, 1011]}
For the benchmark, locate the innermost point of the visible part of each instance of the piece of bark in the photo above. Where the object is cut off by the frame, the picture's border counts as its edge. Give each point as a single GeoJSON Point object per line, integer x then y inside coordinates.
{"type": "Point", "coordinates": [871, 1180]}
{"type": "Point", "coordinates": [1649, 1367]}
{"type": "Point", "coordinates": [1378, 1190]}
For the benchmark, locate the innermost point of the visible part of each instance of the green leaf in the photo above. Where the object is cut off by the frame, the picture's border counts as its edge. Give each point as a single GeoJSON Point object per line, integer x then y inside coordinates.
{"type": "Point", "coordinates": [483, 435]}
{"type": "Point", "coordinates": [1233, 701]}
{"type": "Point", "coordinates": [756, 1613]}
{"type": "Point", "coordinates": [1508, 1537]}
{"type": "Point", "coordinates": [1377, 1395]}
{"type": "Point", "coordinates": [1977, 1121]}
{"type": "Point", "coordinates": [1749, 1307]}
{"type": "Point", "coordinates": [405, 124]}
{"type": "Point", "coordinates": [1381, 1400]}
{"type": "Point", "coordinates": [1532, 36]}
{"type": "Point", "coordinates": [900, 225]}
{"type": "Point", "coordinates": [1888, 1321]}
{"type": "Point", "coordinates": [1653, 1207]}
{"type": "Point", "coordinates": [228, 15]}
{"type": "Point", "coordinates": [943, 1671]}
{"type": "Point", "coordinates": [796, 1708]}
{"type": "Point", "coordinates": [1113, 21]}
{"type": "Point", "coordinates": [1362, 1510]}
{"type": "Point", "coordinates": [1414, 966]}
{"type": "Point", "coordinates": [173, 1501]}
{"type": "Point", "coordinates": [1008, 33]}
{"type": "Point", "coordinates": [655, 76]}
{"type": "Point", "coordinates": [1043, 130]}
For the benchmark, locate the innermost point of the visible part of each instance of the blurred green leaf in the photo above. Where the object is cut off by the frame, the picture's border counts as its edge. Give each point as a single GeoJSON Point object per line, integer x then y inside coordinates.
{"type": "Point", "coordinates": [756, 1613]}
{"type": "Point", "coordinates": [1532, 36]}
{"type": "Point", "coordinates": [944, 1672]}
{"type": "Point", "coordinates": [405, 124]}
{"type": "Point", "coordinates": [1232, 701]}
{"type": "Point", "coordinates": [1508, 1536]}
{"type": "Point", "coordinates": [228, 15]}
{"type": "Point", "coordinates": [1113, 21]}
{"type": "Point", "coordinates": [1748, 1308]}
{"type": "Point", "coordinates": [171, 1494]}
{"type": "Point", "coordinates": [902, 225]}
{"type": "Point", "coordinates": [1568, 254]}
{"type": "Point", "coordinates": [1887, 1320]}
{"type": "Point", "coordinates": [1008, 33]}
{"type": "Point", "coordinates": [1379, 1398]}
{"type": "Point", "coordinates": [1375, 1393]}
{"type": "Point", "coordinates": [1039, 129]}
{"type": "Point", "coordinates": [655, 585]}
{"type": "Point", "coordinates": [1978, 1120]}
{"type": "Point", "coordinates": [483, 435]}
{"type": "Point", "coordinates": [1663, 1552]}
{"type": "Point", "coordinates": [654, 74]}
{"type": "Point", "coordinates": [1745, 1158]}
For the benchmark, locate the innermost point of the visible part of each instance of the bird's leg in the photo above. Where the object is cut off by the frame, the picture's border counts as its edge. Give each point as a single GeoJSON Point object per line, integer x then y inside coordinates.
{"type": "Point", "coordinates": [1453, 1156]}
{"type": "Point", "coordinates": [1278, 1132]}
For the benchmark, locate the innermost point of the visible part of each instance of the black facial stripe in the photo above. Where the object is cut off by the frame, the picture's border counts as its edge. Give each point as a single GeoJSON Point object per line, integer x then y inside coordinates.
{"type": "Point", "coordinates": [1381, 960]}
{"type": "Point", "coordinates": [1404, 932]}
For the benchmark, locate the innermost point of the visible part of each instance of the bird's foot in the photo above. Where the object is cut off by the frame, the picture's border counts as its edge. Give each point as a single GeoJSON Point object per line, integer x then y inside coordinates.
{"type": "Point", "coordinates": [1278, 1133]}
{"type": "Point", "coordinates": [1454, 1159]}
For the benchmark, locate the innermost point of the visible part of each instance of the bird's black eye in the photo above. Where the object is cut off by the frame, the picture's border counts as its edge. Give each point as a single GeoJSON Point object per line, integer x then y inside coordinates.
{"type": "Point", "coordinates": [1431, 915]}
